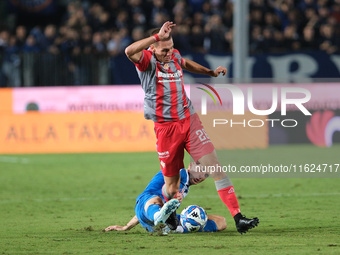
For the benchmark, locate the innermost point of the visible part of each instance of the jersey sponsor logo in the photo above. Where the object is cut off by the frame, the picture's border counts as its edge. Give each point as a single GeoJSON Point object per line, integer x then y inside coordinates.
{"type": "Point", "coordinates": [161, 81]}
{"type": "Point", "coordinates": [177, 74]}
{"type": "Point", "coordinates": [164, 154]}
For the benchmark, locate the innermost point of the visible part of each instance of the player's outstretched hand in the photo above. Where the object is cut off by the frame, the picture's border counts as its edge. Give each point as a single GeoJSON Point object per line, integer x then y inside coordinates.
{"type": "Point", "coordinates": [219, 70]}
{"type": "Point", "coordinates": [179, 197]}
{"type": "Point", "coordinates": [117, 228]}
{"type": "Point", "coordinates": [165, 30]}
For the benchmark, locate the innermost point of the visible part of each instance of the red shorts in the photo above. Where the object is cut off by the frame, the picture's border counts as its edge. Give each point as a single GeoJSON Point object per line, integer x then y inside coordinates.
{"type": "Point", "coordinates": [174, 137]}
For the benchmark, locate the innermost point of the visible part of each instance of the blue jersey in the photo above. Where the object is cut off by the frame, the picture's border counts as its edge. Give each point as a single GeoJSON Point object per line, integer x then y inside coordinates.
{"type": "Point", "coordinates": [155, 185]}
{"type": "Point", "coordinates": [154, 189]}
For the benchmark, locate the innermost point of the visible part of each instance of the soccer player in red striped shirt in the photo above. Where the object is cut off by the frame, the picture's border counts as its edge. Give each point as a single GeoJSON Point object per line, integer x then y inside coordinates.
{"type": "Point", "coordinates": [177, 126]}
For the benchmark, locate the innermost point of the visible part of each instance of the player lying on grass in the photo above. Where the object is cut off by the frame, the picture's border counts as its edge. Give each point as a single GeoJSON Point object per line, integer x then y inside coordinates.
{"type": "Point", "coordinates": [215, 223]}
{"type": "Point", "coordinates": [151, 210]}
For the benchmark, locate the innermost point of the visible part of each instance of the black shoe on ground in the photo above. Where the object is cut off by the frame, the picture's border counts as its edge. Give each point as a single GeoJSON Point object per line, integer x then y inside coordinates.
{"type": "Point", "coordinates": [243, 224]}
{"type": "Point", "coordinates": [172, 221]}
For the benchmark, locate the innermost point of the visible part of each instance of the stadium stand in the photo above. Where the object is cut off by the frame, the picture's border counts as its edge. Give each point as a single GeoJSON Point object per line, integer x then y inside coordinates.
{"type": "Point", "coordinates": [79, 40]}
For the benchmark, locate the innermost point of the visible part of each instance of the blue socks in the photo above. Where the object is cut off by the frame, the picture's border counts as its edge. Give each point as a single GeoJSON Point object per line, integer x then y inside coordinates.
{"type": "Point", "coordinates": [152, 209]}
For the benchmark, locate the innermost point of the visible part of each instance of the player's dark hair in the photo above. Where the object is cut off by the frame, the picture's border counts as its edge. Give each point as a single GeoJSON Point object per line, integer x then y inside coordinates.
{"type": "Point", "coordinates": [154, 31]}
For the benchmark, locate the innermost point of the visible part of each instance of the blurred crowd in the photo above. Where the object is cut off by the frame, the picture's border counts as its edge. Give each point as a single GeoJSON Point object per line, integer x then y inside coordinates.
{"type": "Point", "coordinates": [206, 26]}
{"type": "Point", "coordinates": [102, 27]}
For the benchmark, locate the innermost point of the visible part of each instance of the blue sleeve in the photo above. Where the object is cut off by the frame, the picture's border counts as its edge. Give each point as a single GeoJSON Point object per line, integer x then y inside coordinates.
{"type": "Point", "coordinates": [210, 227]}
{"type": "Point", "coordinates": [184, 185]}
{"type": "Point", "coordinates": [156, 183]}
{"type": "Point", "coordinates": [184, 176]}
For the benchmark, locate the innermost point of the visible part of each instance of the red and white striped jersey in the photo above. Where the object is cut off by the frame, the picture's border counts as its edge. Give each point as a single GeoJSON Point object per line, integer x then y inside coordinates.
{"type": "Point", "coordinates": [165, 98]}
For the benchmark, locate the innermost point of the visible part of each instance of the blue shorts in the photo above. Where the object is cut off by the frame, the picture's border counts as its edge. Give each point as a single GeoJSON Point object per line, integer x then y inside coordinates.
{"type": "Point", "coordinates": [140, 211]}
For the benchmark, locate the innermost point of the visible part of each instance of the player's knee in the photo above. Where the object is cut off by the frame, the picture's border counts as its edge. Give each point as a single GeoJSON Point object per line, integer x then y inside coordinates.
{"type": "Point", "coordinates": [172, 190]}
{"type": "Point", "coordinates": [209, 159]}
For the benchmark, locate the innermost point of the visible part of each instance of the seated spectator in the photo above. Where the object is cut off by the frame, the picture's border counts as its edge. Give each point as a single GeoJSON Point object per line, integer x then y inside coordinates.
{"type": "Point", "coordinates": [158, 9]}
{"type": "Point", "coordinates": [181, 38]}
{"type": "Point", "coordinates": [335, 11]}
{"type": "Point", "coordinates": [309, 41]}
{"type": "Point", "coordinates": [256, 40]}
{"type": "Point", "coordinates": [198, 19]}
{"type": "Point", "coordinates": [329, 42]}
{"type": "Point", "coordinates": [215, 31]}
{"type": "Point", "coordinates": [85, 42]}
{"type": "Point", "coordinates": [256, 17]}
{"type": "Point", "coordinates": [4, 39]}
{"type": "Point", "coordinates": [279, 42]}
{"type": "Point", "coordinates": [271, 20]}
{"type": "Point", "coordinates": [292, 41]}
{"type": "Point", "coordinates": [122, 20]}
{"type": "Point", "coordinates": [324, 13]}
{"type": "Point", "coordinates": [268, 39]}
{"type": "Point", "coordinates": [30, 45]}
{"type": "Point", "coordinates": [48, 38]}
{"type": "Point", "coordinates": [137, 34]}
{"type": "Point", "coordinates": [114, 45]}
{"type": "Point", "coordinates": [20, 35]}
{"type": "Point", "coordinates": [11, 63]}
{"type": "Point", "coordinates": [126, 39]}
{"type": "Point", "coordinates": [98, 45]}
{"type": "Point", "coordinates": [77, 18]}
{"type": "Point", "coordinates": [37, 33]}
{"type": "Point", "coordinates": [307, 4]}
{"type": "Point", "coordinates": [159, 19]}
{"type": "Point", "coordinates": [310, 17]}
{"type": "Point", "coordinates": [119, 41]}
{"type": "Point", "coordinates": [197, 39]}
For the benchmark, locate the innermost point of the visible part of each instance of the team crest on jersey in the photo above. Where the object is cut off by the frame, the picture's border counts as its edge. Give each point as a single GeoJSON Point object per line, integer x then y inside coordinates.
{"type": "Point", "coordinates": [166, 66]}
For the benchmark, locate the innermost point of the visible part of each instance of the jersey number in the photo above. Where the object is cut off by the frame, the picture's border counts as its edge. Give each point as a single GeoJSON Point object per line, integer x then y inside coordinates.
{"type": "Point", "coordinates": [202, 135]}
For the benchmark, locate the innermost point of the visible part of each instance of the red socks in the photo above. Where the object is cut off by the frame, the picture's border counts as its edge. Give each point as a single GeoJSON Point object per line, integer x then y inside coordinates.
{"type": "Point", "coordinates": [228, 197]}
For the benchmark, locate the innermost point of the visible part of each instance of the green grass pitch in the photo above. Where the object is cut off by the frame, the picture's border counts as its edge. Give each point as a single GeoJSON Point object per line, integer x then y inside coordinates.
{"type": "Point", "coordinates": [59, 204]}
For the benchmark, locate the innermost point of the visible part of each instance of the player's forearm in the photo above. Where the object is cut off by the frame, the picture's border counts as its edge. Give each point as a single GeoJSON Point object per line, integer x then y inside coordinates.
{"type": "Point", "coordinates": [194, 67]}
{"type": "Point", "coordinates": [219, 221]}
{"type": "Point", "coordinates": [132, 223]}
{"type": "Point", "coordinates": [139, 46]}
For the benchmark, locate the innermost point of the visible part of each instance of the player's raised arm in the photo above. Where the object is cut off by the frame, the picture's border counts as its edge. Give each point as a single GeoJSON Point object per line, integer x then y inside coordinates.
{"type": "Point", "coordinates": [134, 51]}
{"type": "Point", "coordinates": [131, 224]}
{"type": "Point", "coordinates": [194, 67]}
